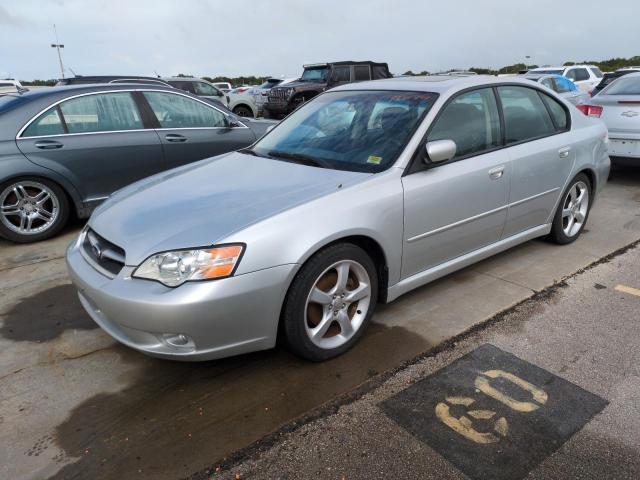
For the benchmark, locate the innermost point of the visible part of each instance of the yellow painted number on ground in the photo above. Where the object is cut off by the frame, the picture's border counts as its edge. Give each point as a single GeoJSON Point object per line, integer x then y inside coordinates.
{"type": "Point", "coordinates": [538, 395]}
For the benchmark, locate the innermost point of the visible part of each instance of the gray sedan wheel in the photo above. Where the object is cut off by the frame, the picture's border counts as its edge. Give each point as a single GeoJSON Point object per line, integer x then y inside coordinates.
{"type": "Point", "coordinates": [31, 209]}
{"type": "Point", "coordinates": [573, 210]}
{"type": "Point", "coordinates": [330, 302]}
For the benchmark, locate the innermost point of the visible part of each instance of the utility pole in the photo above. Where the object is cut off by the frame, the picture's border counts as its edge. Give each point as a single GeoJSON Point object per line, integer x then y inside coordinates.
{"type": "Point", "coordinates": [58, 46]}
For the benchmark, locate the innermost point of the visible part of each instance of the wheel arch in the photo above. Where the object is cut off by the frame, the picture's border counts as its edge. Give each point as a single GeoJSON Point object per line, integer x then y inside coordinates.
{"type": "Point", "coordinates": [246, 105]}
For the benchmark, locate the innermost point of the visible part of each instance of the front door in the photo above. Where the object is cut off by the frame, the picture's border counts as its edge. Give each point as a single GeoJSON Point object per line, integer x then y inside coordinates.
{"type": "Point", "coordinates": [98, 141]}
{"type": "Point", "coordinates": [192, 130]}
{"type": "Point", "coordinates": [460, 206]}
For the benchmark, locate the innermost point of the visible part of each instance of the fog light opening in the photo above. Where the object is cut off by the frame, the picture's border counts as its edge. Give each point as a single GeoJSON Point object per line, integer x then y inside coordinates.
{"type": "Point", "coordinates": [178, 340]}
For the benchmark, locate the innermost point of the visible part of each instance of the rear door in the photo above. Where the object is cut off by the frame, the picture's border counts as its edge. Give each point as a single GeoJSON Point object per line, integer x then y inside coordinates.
{"type": "Point", "coordinates": [97, 140]}
{"type": "Point", "coordinates": [460, 206]}
{"type": "Point", "coordinates": [539, 146]}
{"type": "Point", "coordinates": [192, 130]}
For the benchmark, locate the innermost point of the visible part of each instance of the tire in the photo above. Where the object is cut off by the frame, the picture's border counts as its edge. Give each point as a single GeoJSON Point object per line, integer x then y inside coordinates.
{"type": "Point", "coordinates": [571, 213]}
{"type": "Point", "coordinates": [302, 316]}
{"type": "Point", "coordinates": [243, 111]}
{"type": "Point", "coordinates": [40, 209]}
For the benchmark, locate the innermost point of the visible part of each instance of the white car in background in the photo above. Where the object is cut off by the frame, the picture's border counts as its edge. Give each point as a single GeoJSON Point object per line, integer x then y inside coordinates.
{"type": "Point", "coordinates": [10, 86]}
{"type": "Point", "coordinates": [249, 101]}
{"type": "Point", "coordinates": [223, 86]}
{"type": "Point", "coordinates": [586, 77]}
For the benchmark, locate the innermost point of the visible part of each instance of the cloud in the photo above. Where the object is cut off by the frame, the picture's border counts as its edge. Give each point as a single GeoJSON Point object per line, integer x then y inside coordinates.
{"type": "Point", "coordinates": [6, 18]}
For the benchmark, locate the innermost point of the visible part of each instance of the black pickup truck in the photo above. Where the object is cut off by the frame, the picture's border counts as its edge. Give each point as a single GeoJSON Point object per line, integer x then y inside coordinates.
{"type": "Point", "coordinates": [317, 78]}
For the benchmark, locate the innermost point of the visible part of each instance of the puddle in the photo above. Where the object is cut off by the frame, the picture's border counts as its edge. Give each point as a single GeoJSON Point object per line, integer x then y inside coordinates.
{"type": "Point", "coordinates": [177, 418]}
{"type": "Point", "coordinates": [45, 316]}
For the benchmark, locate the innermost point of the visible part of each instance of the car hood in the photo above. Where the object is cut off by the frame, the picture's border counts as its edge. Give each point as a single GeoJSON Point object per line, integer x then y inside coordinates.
{"type": "Point", "coordinates": [202, 203]}
{"type": "Point", "coordinates": [301, 84]}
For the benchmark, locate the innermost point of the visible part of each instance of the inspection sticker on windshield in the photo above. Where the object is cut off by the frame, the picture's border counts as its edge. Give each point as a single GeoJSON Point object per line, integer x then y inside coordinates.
{"type": "Point", "coordinates": [374, 159]}
{"type": "Point", "coordinates": [493, 415]}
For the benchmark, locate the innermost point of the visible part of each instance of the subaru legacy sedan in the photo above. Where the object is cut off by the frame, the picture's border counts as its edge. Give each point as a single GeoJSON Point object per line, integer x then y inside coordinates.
{"type": "Point", "coordinates": [363, 194]}
{"type": "Point", "coordinates": [66, 149]}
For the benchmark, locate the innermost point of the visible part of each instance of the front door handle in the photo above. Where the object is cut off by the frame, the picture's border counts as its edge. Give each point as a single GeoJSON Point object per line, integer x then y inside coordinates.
{"type": "Point", "coordinates": [496, 173]}
{"type": "Point", "coordinates": [564, 152]}
{"type": "Point", "coordinates": [174, 137]}
{"type": "Point", "coordinates": [48, 144]}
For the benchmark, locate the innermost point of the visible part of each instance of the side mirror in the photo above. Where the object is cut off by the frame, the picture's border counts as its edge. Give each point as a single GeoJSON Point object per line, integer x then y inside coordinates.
{"type": "Point", "coordinates": [440, 151]}
{"type": "Point", "coordinates": [232, 122]}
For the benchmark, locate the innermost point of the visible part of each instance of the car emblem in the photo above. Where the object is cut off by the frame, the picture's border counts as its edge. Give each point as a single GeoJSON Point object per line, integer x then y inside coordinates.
{"type": "Point", "coordinates": [630, 113]}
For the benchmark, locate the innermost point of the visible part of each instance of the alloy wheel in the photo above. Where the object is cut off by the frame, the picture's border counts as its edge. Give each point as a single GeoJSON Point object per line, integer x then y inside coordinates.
{"type": "Point", "coordinates": [28, 207]}
{"type": "Point", "coordinates": [575, 208]}
{"type": "Point", "coordinates": [337, 304]}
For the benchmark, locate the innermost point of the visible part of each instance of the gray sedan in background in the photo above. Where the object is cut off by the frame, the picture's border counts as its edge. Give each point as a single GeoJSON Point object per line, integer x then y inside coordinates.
{"type": "Point", "coordinates": [618, 106]}
{"type": "Point", "coordinates": [67, 149]}
{"type": "Point", "coordinates": [561, 85]}
{"type": "Point", "coordinates": [366, 192]}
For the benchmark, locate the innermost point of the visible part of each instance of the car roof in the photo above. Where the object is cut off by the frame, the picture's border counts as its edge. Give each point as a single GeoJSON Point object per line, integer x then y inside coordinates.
{"type": "Point", "coordinates": [431, 83]}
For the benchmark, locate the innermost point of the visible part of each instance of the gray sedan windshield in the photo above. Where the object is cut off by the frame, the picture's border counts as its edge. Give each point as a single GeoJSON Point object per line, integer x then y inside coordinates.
{"type": "Point", "coordinates": [361, 131]}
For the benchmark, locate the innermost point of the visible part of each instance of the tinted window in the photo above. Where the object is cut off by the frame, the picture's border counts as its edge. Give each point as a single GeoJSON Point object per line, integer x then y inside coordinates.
{"type": "Point", "coordinates": [361, 72]}
{"type": "Point", "coordinates": [341, 74]}
{"type": "Point", "coordinates": [525, 116]}
{"type": "Point", "coordinates": [186, 86]}
{"type": "Point", "coordinates": [551, 71]}
{"type": "Point", "coordinates": [559, 114]}
{"type": "Point", "coordinates": [596, 71]}
{"type": "Point", "coordinates": [48, 123]}
{"type": "Point", "coordinates": [177, 111]}
{"type": "Point", "coordinates": [624, 86]}
{"type": "Point", "coordinates": [202, 88]}
{"type": "Point", "coordinates": [578, 74]}
{"type": "Point", "coordinates": [472, 121]}
{"type": "Point", "coordinates": [101, 113]}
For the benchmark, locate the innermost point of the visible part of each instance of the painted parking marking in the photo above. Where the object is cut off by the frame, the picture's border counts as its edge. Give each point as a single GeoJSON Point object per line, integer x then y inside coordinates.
{"type": "Point", "coordinates": [493, 415]}
{"type": "Point", "coordinates": [630, 290]}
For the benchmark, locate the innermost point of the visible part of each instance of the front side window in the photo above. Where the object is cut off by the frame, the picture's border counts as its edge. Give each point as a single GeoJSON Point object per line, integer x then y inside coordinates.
{"type": "Point", "coordinates": [341, 74]}
{"type": "Point", "coordinates": [361, 131]}
{"type": "Point", "coordinates": [472, 121]}
{"type": "Point", "coordinates": [525, 116]}
{"type": "Point", "coordinates": [578, 74]}
{"type": "Point", "coordinates": [49, 123]}
{"type": "Point", "coordinates": [627, 85]}
{"type": "Point", "coordinates": [361, 72]}
{"type": "Point", "coordinates": [102, 112]}
{"type": "Point", "coordinates": [178, 111]}
{"type": "Point", "coordinates": [205, 89]}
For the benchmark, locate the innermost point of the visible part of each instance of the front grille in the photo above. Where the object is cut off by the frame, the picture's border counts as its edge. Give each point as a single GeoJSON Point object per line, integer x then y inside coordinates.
{"type": "Point", "coordinates": [103, 253]}
{"type": "Point", "coordinates": [277, 94]}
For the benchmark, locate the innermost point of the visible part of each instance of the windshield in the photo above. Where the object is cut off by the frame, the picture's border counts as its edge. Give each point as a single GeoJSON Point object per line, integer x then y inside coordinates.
{"type": "Point", "coordinates": [362, 131]}
{"type": "Point", "coordinates": [318, 74]}
{"type": "Point", "coordinates": [627, 85]}
{"type": "Point", "coordinates": [270, 83]}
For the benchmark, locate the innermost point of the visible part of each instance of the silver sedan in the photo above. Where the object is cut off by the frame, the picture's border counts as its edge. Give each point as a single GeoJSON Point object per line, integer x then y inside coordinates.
{"type": "Point", "coordinates": [363, 194]}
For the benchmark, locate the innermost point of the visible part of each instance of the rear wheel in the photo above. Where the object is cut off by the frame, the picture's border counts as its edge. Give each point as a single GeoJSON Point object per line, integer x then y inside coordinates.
{"type": "Point", "coordinates": [330, 302]}
{"type": "Point", "coordinates": [573, 211]}
{"type": "Point", "coordinates": [32, 209]}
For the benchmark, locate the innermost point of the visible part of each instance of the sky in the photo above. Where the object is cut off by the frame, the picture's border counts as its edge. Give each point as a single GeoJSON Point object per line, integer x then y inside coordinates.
{"type": "Point", "coordinates": [276, 37]}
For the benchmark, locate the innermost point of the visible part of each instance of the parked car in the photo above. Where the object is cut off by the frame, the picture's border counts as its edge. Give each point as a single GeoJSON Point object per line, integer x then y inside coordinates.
{"type": "Point", "coordinates": [199, 87]}
{"type": "Point", "coordinates": [9, 85]}
{"type": "Point", "coordinates": [364, 193]}
{"type": "Point", "coordinates": [249, 101]}
{"type": "Point", "coordinates": [317, 78]}
{"type": "Point", "coordinates": [618, 106]}
{"type": "Point", "coordinates": [65, 150]}
{"type": "Point", "coordinates": [561, 85]}
{"type": "Point", "coordinates": [586, 77]}
{"type": "Point", "coordinates": [94, 79]}
{"type": "Point", "coordinates": [611, 76]}
{"type": "Point", "coordinates": [222, 86]}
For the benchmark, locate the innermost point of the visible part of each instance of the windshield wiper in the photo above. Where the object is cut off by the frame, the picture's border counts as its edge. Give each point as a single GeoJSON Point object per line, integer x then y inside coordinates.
{"type": "Point", "coordinates": [249, 151]}
{"type": "Point", "coordinates": [297, 157]}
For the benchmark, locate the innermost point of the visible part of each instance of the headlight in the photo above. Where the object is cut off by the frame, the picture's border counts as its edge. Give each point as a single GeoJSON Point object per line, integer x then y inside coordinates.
{"type": "Point", "coordinates": [175, 268]}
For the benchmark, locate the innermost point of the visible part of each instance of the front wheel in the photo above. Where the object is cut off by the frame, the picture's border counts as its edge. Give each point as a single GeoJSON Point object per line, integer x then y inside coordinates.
{"type": "Point", "coordinates": [330, 302]}
{"type": "Point", "coordinates": [31, 209]}
{"type": "Point", "coordinates": [573, 211]}
{"type": "Point", "coordinates": [243, 111]}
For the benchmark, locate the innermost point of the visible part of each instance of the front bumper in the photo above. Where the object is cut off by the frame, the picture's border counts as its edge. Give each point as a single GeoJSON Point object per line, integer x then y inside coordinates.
{"type": "Point", "coordinates": [222, 317]}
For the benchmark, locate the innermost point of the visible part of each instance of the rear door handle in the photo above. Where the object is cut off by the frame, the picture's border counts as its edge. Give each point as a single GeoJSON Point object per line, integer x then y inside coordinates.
{"type": "Point", "coordinates": [564, 152]}
{"type": "Point", "coordinates": [48, 144]}
{"type": "Point", "coordinates": [174, 137]}
{"type": "Point", "coordinates": [496, 173]}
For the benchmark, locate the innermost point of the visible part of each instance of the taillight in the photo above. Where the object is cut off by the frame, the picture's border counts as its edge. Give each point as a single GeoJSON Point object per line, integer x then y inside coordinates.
{"type": "Point", "coordinates": [242, 89]}
{"type": "Point", "coordinates": [590, 110]}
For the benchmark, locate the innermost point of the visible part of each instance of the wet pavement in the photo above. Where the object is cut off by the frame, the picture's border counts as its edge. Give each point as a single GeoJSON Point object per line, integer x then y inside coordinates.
{"type": "Point", "coordinates": [550, 390]}
{"type": "Point", "coordinates": [74, 404]}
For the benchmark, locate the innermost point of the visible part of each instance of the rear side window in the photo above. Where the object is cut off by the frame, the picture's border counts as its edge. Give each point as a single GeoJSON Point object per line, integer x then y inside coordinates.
{"type": "Point", "coordinates": [471, 120]}
{"type": "Point", "coordinates": [548, 82]}
{"type": "Point", "coordinates": [205, 89]}
{"type": "Point", "coordinates": [525, 116]}
{"type": "Point", "coordinates": [558, 113]}
{"type": "Point", "coordinates": [596, 71]}
{"type": "Point", "coordinates": [341, 74]}
{"type": "Point", "coordinates": [180, 85]}
{"type": "Point", "coordinates": [361, 72]}
{"type": "Point", "coordinates": [178, 111]}
{"type": "Point", "coordinates": [102, 112]}
{"type": "Point", "coordinates": [49, 123]}
{"type": "Point", "coordinates": [564, 85]}
{"type": "Point", "coordinates": [627, 85]}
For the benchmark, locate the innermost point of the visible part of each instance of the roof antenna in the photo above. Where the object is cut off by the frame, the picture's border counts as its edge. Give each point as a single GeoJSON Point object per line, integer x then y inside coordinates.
{"type": "Point", "coordinates": [157, 74]}
{"type": "Point", "coordinates": [71, 70]}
